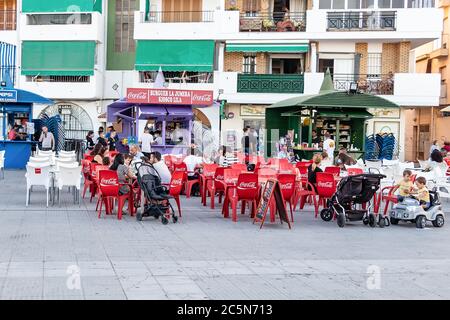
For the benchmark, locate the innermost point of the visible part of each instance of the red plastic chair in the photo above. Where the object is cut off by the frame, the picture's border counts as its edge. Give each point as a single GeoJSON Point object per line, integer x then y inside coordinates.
{"type": "Point", "coordinates": [266, 173]}
{"type": "Point", "coordinates": [206, 175]}
{"type": "Point", "coordinates": [287, 185]}
{"type": "Point", "coordinates": [93, 177]}
{"type": "Point", "coordinates": [326, 186]}
{"type": "Point", "coordinates": [88, 183]}
{"type": "Point", "coordinates": [230, 179]}
{"type": "Point", "coordinates": [113, 154]}
{"type": "Point", "coordinates": [286, 167]}
{"type": "Point", "coordinates": [246, 190]}
{"type": "Point", "coordinates": [303, 164]}
{"type": "Point", "coordinates": [334, 170]}
{"type": "Point", "coordinates": [109, 190]}
{"type": "Point", "coordinates": [180, 167]}
{"type": "Point", "coordinates": [88, 157]}
{"type": "Point", "coordinates": [176, 187]}
{"type": "Point", "coordinates": [354, 171]}
{"type": "Point", "coordinates": [304, 191]}
{"type": "Point", "coordinates": [388, 197]}
{"type": "Point", "coordinates": [239, 166]}
{"type": "Point", "coordinates": [216, 186]}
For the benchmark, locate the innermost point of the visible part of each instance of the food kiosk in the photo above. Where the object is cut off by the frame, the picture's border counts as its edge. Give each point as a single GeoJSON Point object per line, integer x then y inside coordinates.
{"type": "Point", "coordinates": [165, 111]}
{"type": "Point", "coordinates": [342, 114]}
{"type": "Point", "coordinates": [16, 108]}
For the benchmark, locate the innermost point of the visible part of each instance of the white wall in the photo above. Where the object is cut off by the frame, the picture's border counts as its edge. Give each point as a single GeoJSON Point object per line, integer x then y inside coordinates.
{"type": "Point", "coordinates": [416, 89]}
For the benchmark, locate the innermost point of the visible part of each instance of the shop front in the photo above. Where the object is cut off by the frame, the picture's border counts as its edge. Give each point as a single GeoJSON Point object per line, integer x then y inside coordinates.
{"type": "Point", "coordinates": [343, 115]}
{"type": "Point", "coordinates": [16, 126]}
{"type": "Point", "coordinates": [168, 114]}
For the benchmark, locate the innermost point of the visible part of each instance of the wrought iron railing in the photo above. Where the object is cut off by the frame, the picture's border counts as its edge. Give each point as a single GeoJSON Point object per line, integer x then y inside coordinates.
{"type": "Point", "coordinates": [270, 83]}
{"type": "Point", "coordinates": [362, 21]}
{"type": "Point", "coordinates": [67, 79]}
{"type": "Point", "coordinates": [177, 77]}
{"type": "Point", "coordinates": [376, 84]}
{"type": "Point", "coordinates": [273, 21]}
{"type": "Point", "coordinates": [177, 16]}
{"type": "Point", "coordinates": [8, 19]}
{"type": "Point", "coordinates": [6, 72]}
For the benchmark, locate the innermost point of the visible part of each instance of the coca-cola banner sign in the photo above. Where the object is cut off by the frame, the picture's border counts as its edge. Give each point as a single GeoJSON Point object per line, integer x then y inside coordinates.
{"type": "Point", "coordinates": [169, 96]}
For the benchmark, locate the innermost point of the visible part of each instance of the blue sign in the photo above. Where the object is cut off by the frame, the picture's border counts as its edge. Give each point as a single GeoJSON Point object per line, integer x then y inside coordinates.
{"type": "Point", "coordinates": [8, 96]}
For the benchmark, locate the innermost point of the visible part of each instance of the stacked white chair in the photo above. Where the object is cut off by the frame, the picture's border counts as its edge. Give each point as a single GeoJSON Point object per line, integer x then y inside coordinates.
{"type": "Point", "coordinates": [69, 175]}
{"type": "Point", "coordinates": [2, 163]}
{"type": "Point", "coordinates": [38, 174]}
{"type": "Point", "coordinates": [374, 164]}
{"type": "Point", "coordinates": [423, 163]}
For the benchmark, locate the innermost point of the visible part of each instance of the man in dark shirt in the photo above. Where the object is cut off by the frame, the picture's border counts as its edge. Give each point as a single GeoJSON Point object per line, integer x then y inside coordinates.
{"type": "Point", "coordinates": [315, 137]}
{"type": "Point", "coordinates": [246, 145]}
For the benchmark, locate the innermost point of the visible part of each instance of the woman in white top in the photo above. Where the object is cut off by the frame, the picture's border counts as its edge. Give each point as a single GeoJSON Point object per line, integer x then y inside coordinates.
{"type": "Point", "coordinates": [329, 145]}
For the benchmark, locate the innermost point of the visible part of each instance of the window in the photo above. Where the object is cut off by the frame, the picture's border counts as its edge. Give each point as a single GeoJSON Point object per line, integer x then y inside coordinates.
{"type": "Point", "coordinates": [251, 7]}
{"type": "Point", "coordinates": [249, 65]}
{"type": "Point", "coordinates": [374, 65]}
{"type": "Point", "coordinates": [387, 4]}
{"type": "Point", "coordinates": [124, 41]}
{"type": "Point", "coordinates": [420, 3]}
{"type": "Point", "coordinates": [63, 18]}
{"type": "Point", "coordinates": [324, 4]}
{"type": "Point", "coordinates": [367, 4]}
{"type": "Point", "coordinates": [338, 4]}
{"type": "Point", "coordinates": [354, 4]}
{"type": "Point", "coordinates": [8, 15]}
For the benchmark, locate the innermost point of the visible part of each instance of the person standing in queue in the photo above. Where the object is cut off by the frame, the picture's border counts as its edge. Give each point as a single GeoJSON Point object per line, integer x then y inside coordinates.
{"type": "Point", "coordinates": [90, 141]}
{"type": "Point", "coordinates": [329, 145]}
{"type": "Point", "coordinates": [146, 142]}
{"type": "Point", "coordinates": [112, 140]}
{"type": "Point", "coordinates": [246, 145]}
{"type": "Point", "coordinates": [47, 140]}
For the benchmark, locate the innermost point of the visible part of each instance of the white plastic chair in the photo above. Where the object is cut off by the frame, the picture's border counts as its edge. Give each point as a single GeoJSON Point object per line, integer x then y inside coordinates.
{"type": "Point", "coordinates": [39, 159]}
{"type": "Point", "coordinates": [62, 152]}
{"type": "Point", "coordinates": [64, 160]}
{"type": "Point", "coordinates": [48, 153]}
{"type": "Point", "coordinates": [68, 176]}
{"type": "Point", "coordinates": [2, 163]}
{"type": "Point", "coordinates": [390, 163]}
{"type": "Point", "coordinates": [374, 164]}
{"type": "Point", "coordinates": [423, 163]}
{"type": "Point", "coordinates": [38, 175]}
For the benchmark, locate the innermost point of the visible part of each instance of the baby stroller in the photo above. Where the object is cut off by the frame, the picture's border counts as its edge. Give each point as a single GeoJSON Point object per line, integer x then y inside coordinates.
{"type": "Point", "coordinates": [156, 195]}
{"type": "Point", "coordinates": [351, 191]}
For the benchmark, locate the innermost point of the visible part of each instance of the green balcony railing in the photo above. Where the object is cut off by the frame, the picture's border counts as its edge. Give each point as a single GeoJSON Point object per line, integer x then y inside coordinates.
{"type": "Point", "coordinates": [270, 83]}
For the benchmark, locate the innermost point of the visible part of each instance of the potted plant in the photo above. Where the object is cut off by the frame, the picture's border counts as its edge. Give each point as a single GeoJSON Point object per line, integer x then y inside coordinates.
{"type": "Point", "coordinates": [268, 24]}
{"type": "Point", "coordinates": [299, 24]}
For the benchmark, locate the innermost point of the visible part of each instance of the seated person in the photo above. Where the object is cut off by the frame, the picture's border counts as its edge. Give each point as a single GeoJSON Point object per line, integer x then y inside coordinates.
{"type": "Point", "coordinates": [160, 167]}
{"type": "Point", "coordinates": [283, 154]}
{"type": "Point", "coordinates": [313, 169]}
{"type": "Point", "coordinates": [326, 161]}
{"type": "Point", "coordinates": [194, 161]}
{"type": "Point", "coordinates": [158, 139]}
{"type": "Point", "coordinates": [123, 173]}
{"type": "Point", "coordinates": [106, 161]}
{"type": "Point", "coordinates": [421, 193]}
{"type": "Point", "coordinates": [343, 159]}
{"type": "Point", "coordinates": [405, 186]}
{"type": "Point", "coordinates": [136, 153]}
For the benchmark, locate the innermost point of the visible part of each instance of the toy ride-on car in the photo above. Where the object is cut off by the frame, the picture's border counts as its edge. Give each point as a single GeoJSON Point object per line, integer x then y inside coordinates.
{"type": "Point", "coordinates": [410, 210]}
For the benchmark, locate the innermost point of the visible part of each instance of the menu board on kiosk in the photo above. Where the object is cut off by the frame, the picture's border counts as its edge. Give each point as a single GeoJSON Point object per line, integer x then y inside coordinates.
{"type": "Point", "coordinates": [271, 192]}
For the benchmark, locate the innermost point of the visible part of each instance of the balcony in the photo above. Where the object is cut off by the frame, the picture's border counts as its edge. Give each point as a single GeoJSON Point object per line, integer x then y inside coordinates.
{"type": "Point", "coordinates": [272, 22]}
{"type": "Point", "coordinates": [177, 16]}
{"type": "Point", "coordinates": [270, 83]}
{"type": "Point", "coordinates": [177, 77]}
{"type": "Point", "coordinates": [362, 21]}
{"type": "Point", "coordinates": [4, 71]}
{"type": "Point", "coordinates": [367, 83]}
{"type": "Point", "coordinates": [8, 20]}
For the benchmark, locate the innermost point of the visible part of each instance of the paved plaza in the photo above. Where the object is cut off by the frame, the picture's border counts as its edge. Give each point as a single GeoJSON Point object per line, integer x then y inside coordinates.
{"type": "Point", "coordinates": [68, 253]}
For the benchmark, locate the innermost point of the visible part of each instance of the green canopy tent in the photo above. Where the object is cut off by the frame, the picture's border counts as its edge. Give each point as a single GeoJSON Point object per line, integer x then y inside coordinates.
{"type": "Point", "coordinates": [328, 104]}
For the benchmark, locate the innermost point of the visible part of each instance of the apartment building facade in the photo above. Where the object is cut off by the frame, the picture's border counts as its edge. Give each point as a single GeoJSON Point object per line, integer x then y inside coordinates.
{"type": "Point", "coordinates": [431, 123]}
{"type": "Point", "coordinates": [250, 53]}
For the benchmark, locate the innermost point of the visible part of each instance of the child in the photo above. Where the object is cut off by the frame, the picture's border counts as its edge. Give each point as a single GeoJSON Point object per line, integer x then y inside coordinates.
{"type": "Point", "coordinates": [405, 185]}
{"type": "Point", "coordinates": [421, 193]}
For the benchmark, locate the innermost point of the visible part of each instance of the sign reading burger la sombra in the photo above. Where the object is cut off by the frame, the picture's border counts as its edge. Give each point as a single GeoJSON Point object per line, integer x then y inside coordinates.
{"type": "Point", "coordinates": [170, 96]}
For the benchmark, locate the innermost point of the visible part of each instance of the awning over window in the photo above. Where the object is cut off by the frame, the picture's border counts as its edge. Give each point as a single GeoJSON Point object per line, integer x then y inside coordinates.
{"type": "Point", "coordinates": [175, 55]}
{"type": "Point", "coordinates": [31, 6]}
{"type": "Point", "coordinates": [267, 47]}
{"type": "Point", "coordinates": [58, 58]}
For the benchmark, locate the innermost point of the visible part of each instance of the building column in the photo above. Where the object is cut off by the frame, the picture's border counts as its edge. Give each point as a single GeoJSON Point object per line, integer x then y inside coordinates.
{"type": "Point", "coordinates": [221, 57]}
{"type": "Point", "coordinates": [313, 58]}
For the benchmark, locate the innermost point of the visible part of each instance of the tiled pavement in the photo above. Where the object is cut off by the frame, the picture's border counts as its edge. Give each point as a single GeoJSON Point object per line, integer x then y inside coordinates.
{"type": "Point", "coordinates": [67, 253]}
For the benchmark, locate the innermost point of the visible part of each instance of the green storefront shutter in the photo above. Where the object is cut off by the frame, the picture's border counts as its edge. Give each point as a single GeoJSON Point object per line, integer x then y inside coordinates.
{"type": "Point", "coordinates": [58, 58]}
{"type": "Point", "coordinates": [30, 6]}
{"type": "Point", "coordinates": [176, 55]}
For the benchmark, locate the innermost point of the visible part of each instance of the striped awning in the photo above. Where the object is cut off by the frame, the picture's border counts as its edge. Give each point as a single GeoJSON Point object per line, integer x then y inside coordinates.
{"type": "Point", "coordinates": [7, 62]}
{"type": "Point", "coordinates": [288, 47]}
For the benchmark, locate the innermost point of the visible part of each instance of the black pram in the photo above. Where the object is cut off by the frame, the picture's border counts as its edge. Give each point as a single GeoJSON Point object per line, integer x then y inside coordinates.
{"type": "Point", "coordinates": [351, 191]}
{"type": "Point", "coordinates": [157, 196]}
